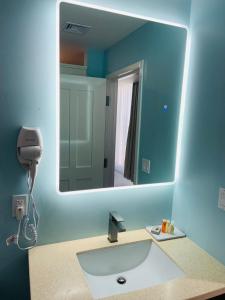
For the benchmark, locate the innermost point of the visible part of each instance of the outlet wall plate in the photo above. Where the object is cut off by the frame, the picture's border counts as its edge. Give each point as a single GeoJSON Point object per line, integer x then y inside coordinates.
{"type": "Point", "coordinates": [146, 165]}
{"type": "Point", "coordinates": [19, 200]}
{"type": "Point", "coordinates": [221, 201]}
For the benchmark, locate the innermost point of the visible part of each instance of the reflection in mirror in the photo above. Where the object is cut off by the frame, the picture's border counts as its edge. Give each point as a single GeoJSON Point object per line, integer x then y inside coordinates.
{"type": "Point", "coordinates": [120, 92]}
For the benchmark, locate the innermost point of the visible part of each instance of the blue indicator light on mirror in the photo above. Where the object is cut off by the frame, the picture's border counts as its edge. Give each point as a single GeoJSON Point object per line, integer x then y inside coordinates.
{"type": "Point", "coordinates": [165, 107]}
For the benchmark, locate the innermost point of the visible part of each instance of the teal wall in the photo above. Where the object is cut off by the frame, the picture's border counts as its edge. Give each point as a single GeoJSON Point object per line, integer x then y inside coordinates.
{"type": "Point", "coordinates": [202, 170]}
{"type": "Point", "coordinates": [162, 48]}
{"type": "Point", "coordinates": [27, 97]}
{"type": "Point", "coordinates": [95, 63]}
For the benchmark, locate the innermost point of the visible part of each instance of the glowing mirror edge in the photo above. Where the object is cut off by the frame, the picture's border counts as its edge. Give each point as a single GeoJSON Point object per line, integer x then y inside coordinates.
{"type": "Point", "coordinates": [182, 102]}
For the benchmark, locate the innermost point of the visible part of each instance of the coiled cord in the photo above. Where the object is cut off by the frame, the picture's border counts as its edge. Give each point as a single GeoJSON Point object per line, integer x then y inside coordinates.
{"type": "Point", "coordinates": [28, 229]}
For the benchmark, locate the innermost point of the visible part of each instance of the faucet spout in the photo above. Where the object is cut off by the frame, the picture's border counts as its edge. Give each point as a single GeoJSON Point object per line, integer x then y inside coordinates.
{"type": "Point", "coordinates": [116, 224]}
{"type": "Point", "coordinates": [121, 227]}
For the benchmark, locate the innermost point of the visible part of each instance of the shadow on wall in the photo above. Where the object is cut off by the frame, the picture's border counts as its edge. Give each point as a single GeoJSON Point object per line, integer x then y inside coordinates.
{"type": "Point", "coordinates": [15, 264]}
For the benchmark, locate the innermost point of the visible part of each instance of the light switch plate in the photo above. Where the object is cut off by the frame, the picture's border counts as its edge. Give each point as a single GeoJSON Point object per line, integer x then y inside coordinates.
{"type": "Point", "coordinates": [146, 165]}
{"type": "Point", "coordinates": [221, 202]}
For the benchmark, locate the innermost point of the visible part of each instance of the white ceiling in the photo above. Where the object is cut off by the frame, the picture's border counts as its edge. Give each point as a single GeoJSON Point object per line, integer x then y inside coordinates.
{"type": "Point", "coordinates": [107, 28]}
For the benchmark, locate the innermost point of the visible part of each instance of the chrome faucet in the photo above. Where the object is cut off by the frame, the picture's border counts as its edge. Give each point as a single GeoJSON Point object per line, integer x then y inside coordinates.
{"type": "Point", "coordinates": [115, 226]}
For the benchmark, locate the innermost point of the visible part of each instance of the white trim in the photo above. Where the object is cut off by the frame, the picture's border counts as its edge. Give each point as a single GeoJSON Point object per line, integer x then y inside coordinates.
{"type": "Point", "coordinates": [182, 105]}
{"type": "Point", "coordinates": [126, 70]}
{"type": "Point", "coordinates": [139, 111]}
{"type": "Point", "coordinates": [110, 130]}
{"type": "Point", "coordinates": [73, 69]}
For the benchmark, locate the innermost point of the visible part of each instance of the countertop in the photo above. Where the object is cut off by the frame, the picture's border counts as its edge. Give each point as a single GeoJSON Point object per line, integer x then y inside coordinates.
{"type": "Point", "coordinates": [55, 273]}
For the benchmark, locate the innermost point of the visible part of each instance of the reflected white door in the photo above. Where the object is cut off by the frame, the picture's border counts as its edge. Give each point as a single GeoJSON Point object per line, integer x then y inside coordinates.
{"type": "Point", "coordinates": [82, 129]}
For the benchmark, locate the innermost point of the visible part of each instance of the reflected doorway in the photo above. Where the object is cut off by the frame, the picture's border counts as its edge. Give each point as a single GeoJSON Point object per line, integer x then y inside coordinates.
{"type": "Point", "coordinates": [122, 128]}
{"type": "Point", "coordinates": [125, 121]}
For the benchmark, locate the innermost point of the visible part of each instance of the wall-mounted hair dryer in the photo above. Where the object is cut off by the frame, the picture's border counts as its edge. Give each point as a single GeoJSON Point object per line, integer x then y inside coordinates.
{"type": "Point", "coordinates": [29, 150]}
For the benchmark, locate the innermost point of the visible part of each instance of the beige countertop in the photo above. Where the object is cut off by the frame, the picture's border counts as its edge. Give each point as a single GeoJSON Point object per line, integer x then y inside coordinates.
{"type": "Point", "coordinates": [55, 273]}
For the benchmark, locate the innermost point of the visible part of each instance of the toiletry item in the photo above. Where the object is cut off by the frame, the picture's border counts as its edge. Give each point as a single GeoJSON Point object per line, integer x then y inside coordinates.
{"type": "Point", "coordinates": [171, 228]}
{"type": "Point", "coordinates": [165, 236]}
{"type": "Point", "coordinates": [164, 221]}
{"type": "Point", "coordinates": [167, 225]}
{"type": "Point", "coordinates": [156, 230]}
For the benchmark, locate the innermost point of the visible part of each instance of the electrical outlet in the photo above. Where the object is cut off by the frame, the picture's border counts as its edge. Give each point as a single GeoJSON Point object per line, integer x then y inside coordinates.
{"type": "Point", "coordinates": [221, 202]}
{"type": "Point", "coordinates": [146, 165]}
{"type": "Point", "coordinates": [19, 205]}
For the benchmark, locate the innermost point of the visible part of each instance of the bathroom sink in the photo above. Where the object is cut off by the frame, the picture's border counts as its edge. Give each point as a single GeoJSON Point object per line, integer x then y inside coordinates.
{"type": "Point", "coordinates": [125, 268]}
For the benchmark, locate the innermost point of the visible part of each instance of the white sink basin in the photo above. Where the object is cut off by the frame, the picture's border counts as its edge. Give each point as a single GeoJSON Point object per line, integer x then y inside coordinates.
{"type": "Point", "coordinates": [141, 264]}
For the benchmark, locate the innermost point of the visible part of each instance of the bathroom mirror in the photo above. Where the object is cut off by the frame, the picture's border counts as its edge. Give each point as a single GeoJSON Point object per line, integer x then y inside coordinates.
{"type": "Point", "coordinates": [120, 94]}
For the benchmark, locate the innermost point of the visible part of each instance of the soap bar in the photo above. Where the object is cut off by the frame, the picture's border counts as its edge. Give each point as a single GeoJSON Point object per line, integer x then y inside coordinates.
{"type": "Point", "coordinates": [156, 230]}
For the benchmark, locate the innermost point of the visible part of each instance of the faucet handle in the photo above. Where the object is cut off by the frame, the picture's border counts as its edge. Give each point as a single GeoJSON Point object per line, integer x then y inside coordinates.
{"type": "Point", "coordinates": [115, 216]}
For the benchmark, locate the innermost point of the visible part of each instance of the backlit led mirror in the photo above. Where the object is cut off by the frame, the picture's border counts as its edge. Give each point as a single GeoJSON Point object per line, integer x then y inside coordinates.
{"type": "Point", "coordinates": [120, 93]}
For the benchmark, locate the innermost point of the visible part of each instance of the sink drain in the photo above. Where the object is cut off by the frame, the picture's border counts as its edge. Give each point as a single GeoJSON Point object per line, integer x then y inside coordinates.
{"type": "Point", "coordinates": [121, 280]}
